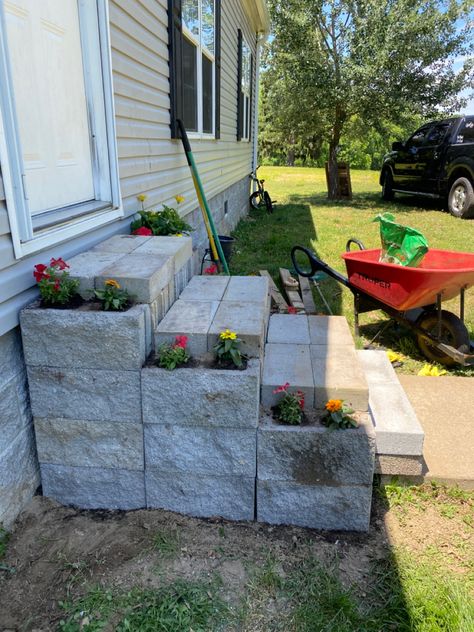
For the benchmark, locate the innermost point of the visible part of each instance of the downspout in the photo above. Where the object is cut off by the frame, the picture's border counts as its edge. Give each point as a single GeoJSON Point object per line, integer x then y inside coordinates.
{"type": "Point", "coordinates": [260, 39]}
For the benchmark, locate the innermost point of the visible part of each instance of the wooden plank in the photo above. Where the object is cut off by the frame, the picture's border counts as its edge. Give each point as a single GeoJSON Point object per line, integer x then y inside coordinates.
{"type": "Point", "coordinates": [288, 281]}
{"type": "Point", "coordinates": [275, 293]}
{"type": "Point", "coordinates": [295, 300]}
{"type": "Point", "coordinates": [307, 295]}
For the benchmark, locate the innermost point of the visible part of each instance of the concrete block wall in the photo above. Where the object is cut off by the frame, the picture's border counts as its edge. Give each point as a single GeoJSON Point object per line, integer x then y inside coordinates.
{"type": "Point", "coordinates": [19, 471]}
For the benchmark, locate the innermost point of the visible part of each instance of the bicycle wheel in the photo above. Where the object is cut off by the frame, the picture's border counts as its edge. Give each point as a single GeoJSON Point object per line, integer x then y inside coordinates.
{"type": "Point", "coordinates": [256, 200]}
{"type": "Point", "coordinates": [268, 202]}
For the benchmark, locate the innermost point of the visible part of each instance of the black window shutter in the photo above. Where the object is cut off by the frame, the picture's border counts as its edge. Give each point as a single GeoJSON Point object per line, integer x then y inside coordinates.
{"type": "Point", "coordinates": [175, 47]}
{"type": "Point", "coordinates": [251, 97]}
{"type": "Point", "coordinates": [218, 69]}
{"type": "Point", "coordinates": [240, 103]}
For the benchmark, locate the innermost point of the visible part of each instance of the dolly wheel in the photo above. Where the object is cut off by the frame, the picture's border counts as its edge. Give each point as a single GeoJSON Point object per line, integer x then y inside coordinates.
{"type": "Point", "coordinates": [453, 333]}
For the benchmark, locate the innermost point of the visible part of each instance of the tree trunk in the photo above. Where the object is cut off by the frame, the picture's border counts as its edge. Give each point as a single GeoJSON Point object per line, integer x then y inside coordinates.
{"type": "Point", "coordinates": [333, 176]}
{"type": "Point", "coordinates": [290, 157]}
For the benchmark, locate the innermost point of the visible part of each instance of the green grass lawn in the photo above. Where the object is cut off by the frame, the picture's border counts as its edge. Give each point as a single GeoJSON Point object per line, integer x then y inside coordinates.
{"type": "Point", "coordinates": [305, 216]}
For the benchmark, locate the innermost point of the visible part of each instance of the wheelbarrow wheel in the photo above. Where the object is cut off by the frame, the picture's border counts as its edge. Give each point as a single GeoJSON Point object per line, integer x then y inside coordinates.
{"type": "Point", "coordinates": [453, 333]}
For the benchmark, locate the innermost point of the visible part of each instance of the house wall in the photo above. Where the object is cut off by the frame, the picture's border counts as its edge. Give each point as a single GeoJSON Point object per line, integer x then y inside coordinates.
{"type": "Point", "coordinates": [149, 162]}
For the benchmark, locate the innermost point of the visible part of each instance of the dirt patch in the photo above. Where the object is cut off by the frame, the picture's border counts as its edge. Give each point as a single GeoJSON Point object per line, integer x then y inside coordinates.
{"type": "Point", "coordinates": [57, 553]}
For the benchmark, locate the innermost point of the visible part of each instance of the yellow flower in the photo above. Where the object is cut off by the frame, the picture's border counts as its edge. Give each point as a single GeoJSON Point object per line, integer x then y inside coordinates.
{"type": "Point", "coordinates": [431, 371]}
{"type": "Point", "coordinates": [112, 283]}
{"type": "Point", "coordinates": [228, 335]}
{"type": "Point", "coordinates": [179, 235]}
{"type": "Point", "coordinates": [333, 405]}
{"type": "Point", "coordinates": [142, 197]}
{"type": "Point", "coordinates": [394, 357]}
{"type": "Point", "coordinates": [179, 198]}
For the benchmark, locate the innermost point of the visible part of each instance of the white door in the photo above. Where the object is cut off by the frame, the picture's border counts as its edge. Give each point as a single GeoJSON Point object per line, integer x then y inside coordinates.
{"type": "Point", "coordinates": [48, 85]}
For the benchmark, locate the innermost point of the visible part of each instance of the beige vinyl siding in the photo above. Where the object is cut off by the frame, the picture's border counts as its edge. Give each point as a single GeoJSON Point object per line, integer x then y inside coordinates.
{"type": "Point", "coordinates": [149, 160]}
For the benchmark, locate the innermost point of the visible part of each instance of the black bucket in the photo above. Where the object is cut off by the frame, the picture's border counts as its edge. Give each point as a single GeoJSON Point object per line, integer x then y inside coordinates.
{"type": "Point", "coordinates": [227, 243]}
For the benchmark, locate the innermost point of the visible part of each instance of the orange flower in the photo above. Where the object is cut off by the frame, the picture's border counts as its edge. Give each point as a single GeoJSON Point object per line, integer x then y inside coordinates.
{"type": "Point", "coordinates": [112, 283]}
{"type": "Point", "coordinates": [334, 405]}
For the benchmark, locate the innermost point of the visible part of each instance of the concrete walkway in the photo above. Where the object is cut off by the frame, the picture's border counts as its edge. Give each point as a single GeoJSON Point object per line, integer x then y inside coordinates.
{"type": "Point", "coordinates": [445, 409]}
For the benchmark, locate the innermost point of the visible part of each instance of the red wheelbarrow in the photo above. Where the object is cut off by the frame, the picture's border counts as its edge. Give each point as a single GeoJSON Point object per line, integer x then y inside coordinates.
{"type": "Point", "coordinates": [397, 290]}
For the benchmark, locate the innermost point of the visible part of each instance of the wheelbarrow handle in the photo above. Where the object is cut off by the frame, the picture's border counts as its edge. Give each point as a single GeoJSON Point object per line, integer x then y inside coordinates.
{"type": "Point", "coordinates": [315, 265]}
{"type": "Point", "coordinates": [355, 241]}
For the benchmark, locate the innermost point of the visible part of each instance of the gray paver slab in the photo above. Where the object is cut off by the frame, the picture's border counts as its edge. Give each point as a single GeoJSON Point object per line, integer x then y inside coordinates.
{"type": "Point", "coordinates": [287, 363]}
{"type": "Point", "coordinates": [397, 428]}
{"type": "Point", "coordinates": [337, 375]}
{"type": "Point", "coordinates": [121, 244]}
{"type": "Point", "coordinates": [94, 487]}
{"type": "Point", "coordinates": [247, 289]}
{"type": "Point", "coordinates": [201, 450]}
{"type": "Point", "coordinates": [329, 330]}
{"type": "Point", "coordinates": [180, 248]}
{"type": "Point", "coordinates": [190, 318]}
{"type": "Point", "coordinates": [288, 329]}
{"type": "Point", "coordinates": [143, 275]}
{"type": "Point", "coordinates": [205, 288]}
{"type": "Point", "coordinates": [344, 508]}
{"type": "Point", "coordinates": [377, 367]}
{"type": "Point", "coordinates": [90, 443]}
{"type": "Point", "coordinates": [232, 497]}
{"type": "Point", "coordinates": [246, 319]}
{"type": "Point", "coordinates": [87, 266]}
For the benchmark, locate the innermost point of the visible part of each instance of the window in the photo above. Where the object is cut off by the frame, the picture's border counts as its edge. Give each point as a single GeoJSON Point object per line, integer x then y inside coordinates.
{"type": "Point", "coordinates": [195, 65]}
{"type": "Point", "coordinates": [437, 134]}
{"type": "Point", "coordinates": [418, 138]}
{"type": "Point", "coordinates": [244, 89]}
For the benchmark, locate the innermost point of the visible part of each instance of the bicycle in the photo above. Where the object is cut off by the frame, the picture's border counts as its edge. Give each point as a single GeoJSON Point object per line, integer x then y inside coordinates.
{"type": "Point", "coordinates": [260, 198]}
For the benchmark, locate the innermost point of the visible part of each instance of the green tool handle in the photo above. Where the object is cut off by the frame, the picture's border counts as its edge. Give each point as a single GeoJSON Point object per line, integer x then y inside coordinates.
{"type": "Point", "coordinates": [197, 179]}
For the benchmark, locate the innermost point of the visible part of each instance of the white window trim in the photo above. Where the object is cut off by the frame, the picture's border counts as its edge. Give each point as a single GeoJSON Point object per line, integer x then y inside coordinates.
{"type": "Point", "coordinates": [197, 41]}
{"type": "Point", "coordinates": [246, 116]}
{"type": "Point", "coordinates": [25, 242]}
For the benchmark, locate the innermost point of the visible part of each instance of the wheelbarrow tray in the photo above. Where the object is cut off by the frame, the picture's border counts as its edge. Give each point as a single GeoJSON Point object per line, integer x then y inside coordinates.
{"type": "Point", "coordinates": [442, 272]}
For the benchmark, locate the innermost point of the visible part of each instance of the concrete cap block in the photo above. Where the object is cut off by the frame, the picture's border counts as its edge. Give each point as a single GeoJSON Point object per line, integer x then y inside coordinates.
{"type": "Point", "coordinates": [205, 288]}
{"type": "Point", "coordinates": [397, 428]}
{"type": "Point", "coordinates": [377, 367]}
{"type": "Point", "coordinates": [180, 248]}
{"type": "Point", "coordinates": [121, 243]}
{"type": "Point", "coordinates": [287, 363]}
{"type": "Point", "coordinates": [88, 394]}
{"type": "Point", "coordinates": [202, 396]}
{"type": "Point", "coordinates": [143, 275]}
{"type": "Point", "coordinates": [231, 497]}
{"type": "Point", "coordinates": [201, 450]}
{"type": "Point", "coordinates": [89, 443]}
{"type": "Point", "coordinates": [190, 318]}
{"type": "Point", "coordinates": [337, 508]}
{"type": "Point", "coordinates": [247, 289]}
{"type": "Point", "coordinates": [338, 375]}
{"type": "Point", "coordinates": [288, 329]}
{"type": "Point", "coordinates": [315, 455]}
{"type": "Point", "coordinates": [84, 338]}
{"type": "Point", "coordinates": [86, 266]}
{"type": "Point", "coordinates": [94, 487]}
{"type": "Point", "coordinates": [329, 330]}
{"type": "Point", "coordinates": [246, 319]}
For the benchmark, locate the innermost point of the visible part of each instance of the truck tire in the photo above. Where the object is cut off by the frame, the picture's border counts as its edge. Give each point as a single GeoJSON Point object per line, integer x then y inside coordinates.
{"type": "Point", "coordinates": [387, 186]}
{"type": "Point", "coordinates": [461, 199]}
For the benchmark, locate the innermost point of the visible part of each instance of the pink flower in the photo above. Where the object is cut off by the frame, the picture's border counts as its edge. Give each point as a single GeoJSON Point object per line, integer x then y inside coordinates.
{"type": "Point", "coordinates": [292, 310]}
{"type": "Point", "coordinates": [143, 230]}
{"type": "Point", "coordinates": [40, 272]}
{"type": "Point", "coordinates": [281, 389]}
{"type": "Point", "coordinates": [181, 341]}
{"type": "Point", "coordinates": [212, 269]}
{"type": "Point", "coordinates": [59, 263]}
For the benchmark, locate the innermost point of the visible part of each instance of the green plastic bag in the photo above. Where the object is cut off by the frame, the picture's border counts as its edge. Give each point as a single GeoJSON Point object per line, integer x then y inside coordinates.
{"type": "Point", "coordinates": [401, 245]}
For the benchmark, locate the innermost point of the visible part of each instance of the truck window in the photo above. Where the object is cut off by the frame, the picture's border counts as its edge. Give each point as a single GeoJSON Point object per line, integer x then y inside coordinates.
{"type": "Point", "coordinates": [466, 132]}
{"type": "Point", "coordinates": [417, 139]}
{"type": "Point", "coordinates": [437, 134]}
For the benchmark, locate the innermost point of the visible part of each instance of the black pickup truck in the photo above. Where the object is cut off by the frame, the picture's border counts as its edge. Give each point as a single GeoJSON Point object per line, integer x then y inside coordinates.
{"type": "Point", "coordinates": [437, 161]}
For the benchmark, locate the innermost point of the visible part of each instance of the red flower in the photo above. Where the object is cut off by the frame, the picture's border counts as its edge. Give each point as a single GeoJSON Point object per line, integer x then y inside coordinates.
{"type": "Point", "coordinates": [292, 310]}
{"type": "Point", "coordinates": [212, 269]}
{"type": "Point", "coordinates": [143, 230]}
{"type": "Point", "coordinates": [57, 285]}
{"type": "Point", "coordinates": [59, 263]}
{"type": "Point", "coordinates": [39, 272]}
{"type": "Point", "coordinates": [181, 341]}
{"type": "Point", "coordinates": [281, 389]}
{"type": "Point", "coordinates": [300, 396]}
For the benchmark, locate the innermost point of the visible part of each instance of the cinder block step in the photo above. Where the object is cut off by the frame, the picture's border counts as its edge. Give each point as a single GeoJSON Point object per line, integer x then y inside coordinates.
{"type": "Point", "coordinates": [246, 319]}
{"type": "Point", "coordinates": [205, 288]}
{"type": "Point", "coordinates": [288, 329]}
{"type": "Point", "coordinates": [398, 431]}
{"type": "Point", "coordinates": [330, 331]}
{"type": "Point", "coordinates": [287, 363]}
{"type": "Point", "coordinates": [89, 265]}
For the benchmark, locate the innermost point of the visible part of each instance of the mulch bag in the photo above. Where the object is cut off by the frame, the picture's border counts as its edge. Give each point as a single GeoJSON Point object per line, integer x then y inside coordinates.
{"type": "Point", "coordinates": [401, 245]}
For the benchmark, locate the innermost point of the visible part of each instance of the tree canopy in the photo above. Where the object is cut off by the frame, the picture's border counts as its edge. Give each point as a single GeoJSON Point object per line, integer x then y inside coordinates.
{"type": "Point", "coordinates": [333, 64]}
